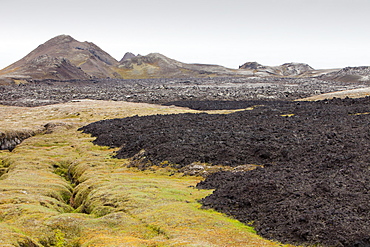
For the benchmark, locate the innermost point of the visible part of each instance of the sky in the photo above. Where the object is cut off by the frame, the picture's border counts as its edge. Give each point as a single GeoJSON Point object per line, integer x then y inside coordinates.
{"type": "Point", "coordinates": [322, 33]}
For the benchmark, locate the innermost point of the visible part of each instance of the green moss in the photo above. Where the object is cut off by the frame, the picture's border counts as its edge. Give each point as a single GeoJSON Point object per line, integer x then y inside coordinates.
{"type": "Point", "coordinates": [234, 222]}
{"type": "Point", "coordinates": [157, 230]}
{"type": "Point", "coordinates": [59, 238]}
{"type": "Point", "coordinates": [61, 168]}
{"type": "Point", "coordinates": [5, 163]}
{"type": "Point", "coordinates": [100, 211]}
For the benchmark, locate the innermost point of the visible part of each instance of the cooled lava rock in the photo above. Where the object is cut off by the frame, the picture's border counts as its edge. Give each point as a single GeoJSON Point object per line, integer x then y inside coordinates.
{"type": "Point", "coordinates": [314, 184]}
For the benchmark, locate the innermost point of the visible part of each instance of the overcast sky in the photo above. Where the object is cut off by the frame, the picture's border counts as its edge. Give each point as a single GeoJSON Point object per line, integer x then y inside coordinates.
{"type": "Point", "coordinates": [322, 33]}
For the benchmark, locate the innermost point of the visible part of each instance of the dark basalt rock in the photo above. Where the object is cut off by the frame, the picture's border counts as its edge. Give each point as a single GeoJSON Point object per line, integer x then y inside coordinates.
{"type": "Point", "coordinates": [252, 65]}
{"type": "Point", "coordinates": [314, 187]}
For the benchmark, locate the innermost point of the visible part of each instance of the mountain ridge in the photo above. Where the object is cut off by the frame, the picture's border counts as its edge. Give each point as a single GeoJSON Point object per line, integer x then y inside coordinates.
{"type": "Point", "coordinates": [82, 60]}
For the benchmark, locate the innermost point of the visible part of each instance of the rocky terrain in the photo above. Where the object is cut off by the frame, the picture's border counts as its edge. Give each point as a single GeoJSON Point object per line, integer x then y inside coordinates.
{"type": "Point", "coordinates": [58, 189]}
{"type": "Point", "coordinates": [296, 171]}
{"type": "Point", "coordinates": [311, 160]}
{"type": "Point", "coordinates": [313, 187]}
{"type": "Point", "coordinates": [162, 91]}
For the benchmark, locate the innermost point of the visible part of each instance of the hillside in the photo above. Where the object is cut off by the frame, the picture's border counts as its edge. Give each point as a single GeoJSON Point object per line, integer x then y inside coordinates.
{"type": "Point", "coordinates": [46, 67]}
{"type": "Point", "coordinates": [155, 65]}
{"type": "Point", "coordinates": [84, 55]}
{"type": "Point", "coordinates": [287, 69]}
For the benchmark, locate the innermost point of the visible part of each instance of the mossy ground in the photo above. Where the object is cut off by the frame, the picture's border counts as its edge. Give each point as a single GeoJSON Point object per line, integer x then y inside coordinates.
{"type": "Point", "coordinates": [58, 189]}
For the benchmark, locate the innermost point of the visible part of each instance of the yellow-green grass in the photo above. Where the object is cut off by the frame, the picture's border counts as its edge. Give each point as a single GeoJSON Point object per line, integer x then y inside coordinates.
{"type": "Point", "coordinates": [61, 190]}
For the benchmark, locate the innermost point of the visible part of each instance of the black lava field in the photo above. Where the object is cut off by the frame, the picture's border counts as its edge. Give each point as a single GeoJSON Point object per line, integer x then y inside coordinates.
{"type": "Point", "coordinates": [313, 187]}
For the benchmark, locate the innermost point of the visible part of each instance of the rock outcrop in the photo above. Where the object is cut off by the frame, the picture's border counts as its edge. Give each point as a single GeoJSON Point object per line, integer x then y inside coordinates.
{"type": "Point", "coordinates": [287, 69]}
{"type": "Point", "coordinates": [252, 65]}
{"type": "Point", "coordinates": [10, 139]}
{"type": "Point", "coordinates": [293, 69]}
{"type": "Point", "coordinates": [127, 56]}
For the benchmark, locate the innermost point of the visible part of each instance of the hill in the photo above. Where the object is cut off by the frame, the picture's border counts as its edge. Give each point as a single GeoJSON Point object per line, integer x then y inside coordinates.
{"type": "Point", "coordinates": [287, 69]}
{"type": "Point", "coordinates": [86, 56]}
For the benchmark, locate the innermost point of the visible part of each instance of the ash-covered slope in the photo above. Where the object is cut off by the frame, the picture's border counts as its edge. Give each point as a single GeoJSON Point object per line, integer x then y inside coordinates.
{"type": "Point", "coordinates": [85, 55]}
{"type": "Point", "coordinates": [349, 74]}
{"type": "Point", "coordinates": [46, 67]}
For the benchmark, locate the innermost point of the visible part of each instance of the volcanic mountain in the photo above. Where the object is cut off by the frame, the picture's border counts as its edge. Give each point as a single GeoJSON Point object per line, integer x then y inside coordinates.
{"type": "Point", "coordinates": [63, 53]}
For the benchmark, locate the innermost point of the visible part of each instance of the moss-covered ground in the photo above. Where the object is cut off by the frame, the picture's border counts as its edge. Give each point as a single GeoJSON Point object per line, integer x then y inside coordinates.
{"type": "Point", "coordinates": [58, 189]}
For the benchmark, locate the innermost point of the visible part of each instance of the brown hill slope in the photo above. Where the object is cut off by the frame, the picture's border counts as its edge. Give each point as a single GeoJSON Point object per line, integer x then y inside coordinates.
{"type": "Point", "coordinates": [46, 67]}
{"type": "Point", "coordinates": [89, 57]}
